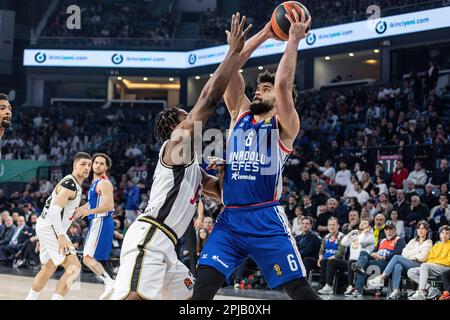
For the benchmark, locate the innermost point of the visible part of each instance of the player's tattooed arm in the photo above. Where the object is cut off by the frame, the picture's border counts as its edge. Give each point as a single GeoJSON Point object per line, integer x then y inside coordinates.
{"type": "Point", "coordinates": [235, 98]}
{"type": "Point", "coordinates": [215, 87]}
{"type": "Point", "coordinates": [211, 186]}
{"type": "Point", "coordinates": [284, 80]}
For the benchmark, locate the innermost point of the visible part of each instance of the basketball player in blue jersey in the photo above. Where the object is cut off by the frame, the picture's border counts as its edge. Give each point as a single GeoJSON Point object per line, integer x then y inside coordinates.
{"type": "Point", "coordinates": [99, 209]}
{"type": "Point", "coordinates": [253, 223]}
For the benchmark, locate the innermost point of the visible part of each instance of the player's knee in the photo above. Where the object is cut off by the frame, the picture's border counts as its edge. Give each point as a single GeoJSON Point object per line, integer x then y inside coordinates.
{"type": "Point", "coordinates": [133, 296]}
{"type": "Point", "coordinates": [208, 282]}
{"type": "Point", "coordinates": [87, 260]}
{"type": "Point", "coordinates": [299, 289]}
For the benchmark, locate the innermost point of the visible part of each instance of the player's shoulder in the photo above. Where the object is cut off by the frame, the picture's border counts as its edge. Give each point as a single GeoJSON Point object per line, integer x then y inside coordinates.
{"type": "Point", "coordinates": [104, 180]}
{"type": "Point", "coordinates": [69, 182]}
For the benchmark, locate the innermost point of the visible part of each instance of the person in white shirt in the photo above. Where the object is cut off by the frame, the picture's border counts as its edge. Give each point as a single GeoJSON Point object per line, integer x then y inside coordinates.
{"type": "Point", "coordinates": [350, 189]}
{"type": "Point", "coordinates": [381, 185]}
{"type": "Point", "coordinates": [358, 240]}
{"type": "Point", "coordinates": [418, 176]}
{"type": "Point", "coordinates": [342, 178]}
{"type": "Point", "coordinates": [413, 255]}
{"type": "Point", "coordinates": [297, 222]}
{"type": "Point", "coordinates": [360, 194]}
{"type": "Point", "coordinates": [327, 170]}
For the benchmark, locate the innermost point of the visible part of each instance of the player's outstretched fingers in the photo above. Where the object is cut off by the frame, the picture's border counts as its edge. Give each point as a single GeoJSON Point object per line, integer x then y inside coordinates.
{"type": "Point", "coordinates": [296, 17]}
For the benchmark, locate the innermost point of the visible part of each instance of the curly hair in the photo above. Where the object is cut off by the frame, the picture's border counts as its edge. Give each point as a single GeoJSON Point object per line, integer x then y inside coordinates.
{"type": "Point", "coordinates": [267, 76]}
{"type": "Point", "coordinates": [165, 121]}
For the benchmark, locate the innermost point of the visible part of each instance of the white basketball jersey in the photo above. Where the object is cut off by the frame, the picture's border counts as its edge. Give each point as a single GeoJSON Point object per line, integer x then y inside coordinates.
{"type": "Point", "coordinates": [67, 214]}
{"type": "Point", "coordinates": [174, 194]}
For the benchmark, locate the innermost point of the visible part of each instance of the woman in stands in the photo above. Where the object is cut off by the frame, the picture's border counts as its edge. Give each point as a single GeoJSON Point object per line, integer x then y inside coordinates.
{"type": "Point", "coordinates": [413, 255]}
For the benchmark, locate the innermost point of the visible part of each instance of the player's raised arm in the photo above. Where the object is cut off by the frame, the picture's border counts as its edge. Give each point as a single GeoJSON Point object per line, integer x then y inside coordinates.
{"type": "Point", "coordinates": [284, 80]}
{"type": "Point", "coordinates": [235, 98]}
{"type": "Point", "coordinates": [215, 87]}
{"type": "Point", "coordinates": [211, 186]}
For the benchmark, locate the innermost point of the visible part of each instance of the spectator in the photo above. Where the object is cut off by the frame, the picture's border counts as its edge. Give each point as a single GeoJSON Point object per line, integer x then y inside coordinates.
{"type": "Point", "coordinates": [17, 240]}
{"type": "Point", "coordinates": [440, 175]}
{"type": "Point", "coordinates": [319, 197]}
{"type": "Point", "coordinates": [8, 231]}
{"type": "Point", "coordinates": [297, 221]}
{"type": "Point", "coordinates": [378, 229]}
{"type": "Point", "coordinates": [400, 174]}
{"type": "Point", "coordinates": [74, 236]}
{"type": "Point", "coordinates": [133, 201]}
{"type": "Point", "coordinates": [399, 224]}
{"type": "Point", "coordinates": [208, 224]}
{"type": "Point", "coordinates": [342, 178]}
{"type": "Point", "coordinates": [429, 197]}
{"type": "Point", "coordinates": [439, 216]}
{"type": "Point", "coordinates": [418, 211]}
{"type": "Point", "coordinates": [117, 240]}
{"type": "Point", "coordinates": [357, 240]}
{"type": "Point", "coordinates": [290, 208]}
{"type": "Point", "coordinates": [418, 176]}
{"type": "Point", "coordinates": [446, 284]}
{"type": "Point", "coordinates": [381, 185]}
{"type": "Point", "coordinates": [384, 251]}
{"type": "Point", "coordinates": [353, 222]}
{"type": "Point", "coordinates": [321, 225]}
{"type": "Point", "coordinates": [367, 182]}
{"type": "Point", "coordinates": [330, 249]}
{"type": "Point", "coordinates": [308, 242]}
{"type": "Point", "coordinates": [437, 263]}
{"type": "Point", "coordinates": [401, 205]}
{"type": "Point", "coordinates": [410, 190]}
{"type": "Point", "coordinates": [415, 253]}
{"type": "Point", "coordinates": [384, 206]}
{"type": "Point", "coordinates": [202, 236]}
{"type": "Point", "coordinates": [309, 209]}
{"type": "Point", "coordinates": [360, 193]}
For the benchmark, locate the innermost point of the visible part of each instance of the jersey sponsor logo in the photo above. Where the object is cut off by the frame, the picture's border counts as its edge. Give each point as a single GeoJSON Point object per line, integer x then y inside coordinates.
{"type": "Point", "coordinates": [277, 269]}
{"type": "Point", "coordinates": [216, 258]}
{"type": "Point", "coordinates": [188, 283]}
{"type": "Point", "coordinates": [205, 256]}
{"type": "Point", "coordinates": [247, 161]}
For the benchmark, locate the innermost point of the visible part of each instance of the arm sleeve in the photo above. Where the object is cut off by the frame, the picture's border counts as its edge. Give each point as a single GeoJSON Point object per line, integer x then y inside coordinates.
{"type": "Point", "coordinates": [54, 213]}
{"type": "Point", "coordinates": [346, 241]}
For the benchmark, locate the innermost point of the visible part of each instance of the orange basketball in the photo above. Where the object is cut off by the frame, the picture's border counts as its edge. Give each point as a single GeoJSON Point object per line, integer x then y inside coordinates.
{"type": "Point", "coordinates": [280, 24]}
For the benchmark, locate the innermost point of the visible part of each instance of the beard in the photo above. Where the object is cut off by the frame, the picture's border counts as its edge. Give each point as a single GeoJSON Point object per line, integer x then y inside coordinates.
{"type": "Point", "coordinates": [260, 107]}
{"type": "Point", "coordinates": [5, 124]}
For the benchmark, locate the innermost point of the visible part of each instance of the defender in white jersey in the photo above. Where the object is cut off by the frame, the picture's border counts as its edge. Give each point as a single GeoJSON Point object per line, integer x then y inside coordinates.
{"type": "Point", "coordinates": [51, 230]}
{"type": "Point", "coordinates": [149, 267]}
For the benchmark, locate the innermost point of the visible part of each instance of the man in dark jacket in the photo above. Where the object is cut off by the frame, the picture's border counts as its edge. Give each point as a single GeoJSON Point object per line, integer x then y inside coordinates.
{"type": "Point", "coordinates": [308, 242]}
{"type": "Point", "coordinates": [385, 250]}
{"type": "Point", "coordinates": [7, 234]}
{"type": "Point", "coordinates": [20, 235]}
{"type": "Point", "coordinates": [418, 211]}
{"type": "Point", "coordinates": [402, 205]}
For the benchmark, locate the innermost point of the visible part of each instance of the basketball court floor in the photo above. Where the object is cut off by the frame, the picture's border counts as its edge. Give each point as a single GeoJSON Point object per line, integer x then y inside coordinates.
{"type": "Point", "coordinates": [15, 284]}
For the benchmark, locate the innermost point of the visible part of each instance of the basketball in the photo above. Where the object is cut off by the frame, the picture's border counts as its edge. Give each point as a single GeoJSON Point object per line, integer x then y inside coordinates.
{"type": "Point", "coordinates": [281, 25]}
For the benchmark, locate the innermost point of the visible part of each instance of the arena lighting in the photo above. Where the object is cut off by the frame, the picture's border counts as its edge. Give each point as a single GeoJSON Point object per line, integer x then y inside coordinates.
{"type": "Point", "coordinates": [260, 67]}
{"type": "Point", "coordinates": [210, 75]}
{"type": "Point", "coordinates": [197, 77]}
{"type": "Point", "coordinates": [351, 54]}
{"type": "Point", "coordinates": [327, 58]}
{"type": "Point", "coordinates": [171, 79]}
{"type": "Point", "coordinates": [119, 78]}
{"type": "Point", "coordinates": [145, 79]}
{"type": "Point", "coordinates": [151, 86]}
{"type": "Point", "coordinates": [376, 51]}
{"type": "Point", "coordinates": [371, 61]}
{"type": "Point", "coordinates": [240, 70]}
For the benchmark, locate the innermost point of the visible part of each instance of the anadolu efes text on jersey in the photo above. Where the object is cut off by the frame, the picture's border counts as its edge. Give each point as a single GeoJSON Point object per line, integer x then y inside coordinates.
{"type": "Point", "coordinates": [255, 161]}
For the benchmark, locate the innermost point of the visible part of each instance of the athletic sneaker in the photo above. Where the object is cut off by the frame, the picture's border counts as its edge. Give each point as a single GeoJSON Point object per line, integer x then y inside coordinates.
{"type": "Point", "coordinates": [445, 296]}
{"type": "Point", "coordinates": [395, 295]}
{"type": "Point", "coordinates": [377, 282]}
{"type": "Point", "coordinates": [109, 289]}
{"type": "Point", "coordinates": [354, 294]}
{"type": "Point", "coordinates": [433, 293]}
{"type": "Point", "coordinates": [418, 295]}
{"type": "Point", "coordinates": [348, 290]}
{"type": "Point", "coordinates": [327, 289]}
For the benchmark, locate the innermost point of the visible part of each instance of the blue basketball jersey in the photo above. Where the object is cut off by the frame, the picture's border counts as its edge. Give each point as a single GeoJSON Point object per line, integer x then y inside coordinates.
{"type": "Point", "coordinates": [95, 199]}
{"type": "Point", "coordinates": [255, 162]}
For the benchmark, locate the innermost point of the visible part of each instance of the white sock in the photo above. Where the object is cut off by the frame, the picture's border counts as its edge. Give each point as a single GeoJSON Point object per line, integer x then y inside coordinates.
{"type": "Point", "coordinates": [57, 297]}
{"type": "Point", "coordinates": [32, 295]}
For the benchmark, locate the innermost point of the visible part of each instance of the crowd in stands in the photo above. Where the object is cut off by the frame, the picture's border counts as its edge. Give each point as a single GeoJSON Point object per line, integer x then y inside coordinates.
{"type": "Point", "coordinates": [114, 19]}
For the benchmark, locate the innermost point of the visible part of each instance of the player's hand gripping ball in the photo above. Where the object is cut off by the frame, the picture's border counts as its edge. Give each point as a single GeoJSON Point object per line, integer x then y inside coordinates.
{"type": "Point", "coordinates": [280, 24]}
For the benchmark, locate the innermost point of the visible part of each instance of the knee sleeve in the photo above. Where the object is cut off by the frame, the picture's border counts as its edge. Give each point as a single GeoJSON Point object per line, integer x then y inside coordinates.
{"type": "Point", "coordinates": [207, 283]}
{"type": "Point", "coordinates": [299, 289]}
